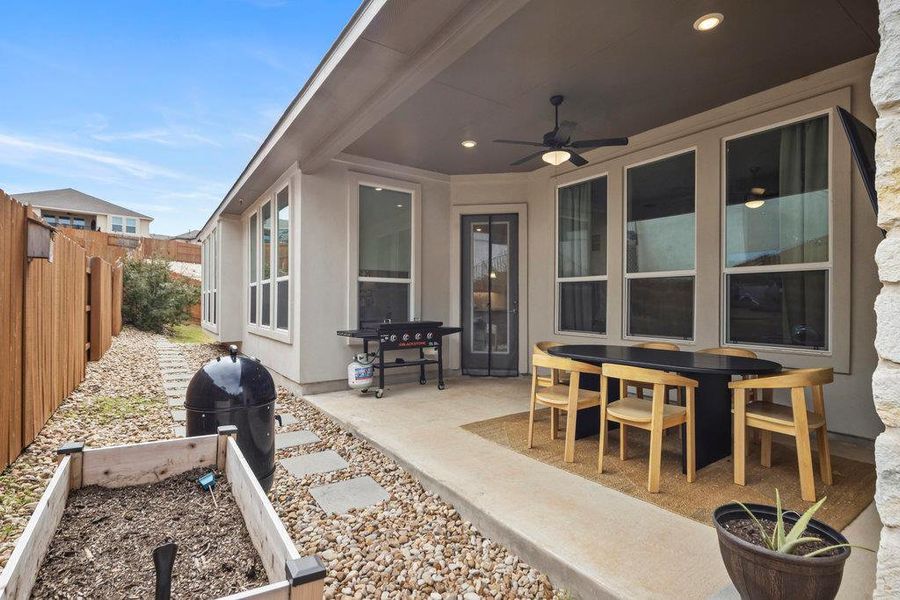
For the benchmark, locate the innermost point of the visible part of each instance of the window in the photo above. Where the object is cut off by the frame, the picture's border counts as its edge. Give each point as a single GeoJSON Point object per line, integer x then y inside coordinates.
{"type": "Point", "coordinates": [660, 248]}
{"type": "Point", "coordinates": [130, 225]}
{"type": "Point", "coordinates": [269, 241]}
{"type": "Point", "coordinates": [581, 216]}
{"type": "Point", "coordinates": [210, 281]}
{"type": "Point", "coordinates": [50, 220]}
{"type": "Point", "coordinates": [777, 237]}
{"type": "Point", "coordinates": [117, 225]}
{"type": "Point", "coordinates": [385, 254]}
{"type": "Point", "coordinates": [78, 222]}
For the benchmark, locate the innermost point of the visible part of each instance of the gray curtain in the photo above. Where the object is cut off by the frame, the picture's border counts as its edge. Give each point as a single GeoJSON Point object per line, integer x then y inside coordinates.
{"type": "Point", "coordinates": [575, 253]}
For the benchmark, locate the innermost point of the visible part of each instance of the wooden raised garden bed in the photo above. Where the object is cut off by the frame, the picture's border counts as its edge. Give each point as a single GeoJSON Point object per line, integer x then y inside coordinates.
{"type": "Point", "coordinates": [290, 577]}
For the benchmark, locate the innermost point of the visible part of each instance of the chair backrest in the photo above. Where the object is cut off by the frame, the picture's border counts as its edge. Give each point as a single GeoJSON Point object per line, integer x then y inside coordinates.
{"type": "Point", "coordinates": [563, 364]}
{"type": "Point", "coordinates": [658, 346]}
{"type": "Point", "coordinates": [647, 376]}
{"type": "Point", "coordinates": [741, 352]}
{"type": "Point", "coordinates": [795, 378]}
{"type": "Point", "coordinates": [542, 347]}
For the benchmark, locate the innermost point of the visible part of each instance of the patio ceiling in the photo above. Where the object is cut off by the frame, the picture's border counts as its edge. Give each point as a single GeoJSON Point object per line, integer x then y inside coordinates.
{"type": "Point", "coordinates": [624, 67]}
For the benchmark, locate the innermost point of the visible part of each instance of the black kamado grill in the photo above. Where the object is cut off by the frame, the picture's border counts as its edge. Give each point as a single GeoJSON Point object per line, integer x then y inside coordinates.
{"type": "Point", "coordinates": [236, 390]}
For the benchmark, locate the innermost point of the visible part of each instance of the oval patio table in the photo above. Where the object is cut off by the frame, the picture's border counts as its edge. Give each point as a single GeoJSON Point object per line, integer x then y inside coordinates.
{"type": "Point", "coordinates": [713, 398]}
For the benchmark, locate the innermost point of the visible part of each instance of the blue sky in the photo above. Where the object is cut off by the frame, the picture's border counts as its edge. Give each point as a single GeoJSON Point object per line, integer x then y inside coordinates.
{"type": "Point", "coordinates": [154, 105]}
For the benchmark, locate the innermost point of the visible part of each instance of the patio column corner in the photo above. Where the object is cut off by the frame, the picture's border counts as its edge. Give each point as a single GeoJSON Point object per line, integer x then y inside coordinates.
{"type": "Point", "coordinates": [885, 92]}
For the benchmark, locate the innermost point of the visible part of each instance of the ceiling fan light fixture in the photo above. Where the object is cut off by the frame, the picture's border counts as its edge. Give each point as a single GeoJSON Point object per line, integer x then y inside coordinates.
{"type": "Point", "coordinates": [555, 157]}
{"type": "Point", "coordinates": [468, 143]}
{"type": "Point", "coordinates": [710, 21]}
{"type": "Point", "coordinates": [754, 203]}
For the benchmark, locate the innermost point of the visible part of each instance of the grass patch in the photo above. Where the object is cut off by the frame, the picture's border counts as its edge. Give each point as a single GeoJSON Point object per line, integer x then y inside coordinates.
{"type": "Point", "coordinates": [189, 334]}
{"type": "Point", "coordinates": [104, 410]}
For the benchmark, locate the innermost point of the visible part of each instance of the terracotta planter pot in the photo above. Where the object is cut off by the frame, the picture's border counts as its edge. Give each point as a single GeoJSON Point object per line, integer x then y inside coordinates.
{"type": "Point", "coordinates": [761, 574]}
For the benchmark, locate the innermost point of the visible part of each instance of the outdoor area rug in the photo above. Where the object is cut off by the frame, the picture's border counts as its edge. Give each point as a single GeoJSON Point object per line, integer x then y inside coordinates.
{"type": "Point", "coordinates": [853, 489]}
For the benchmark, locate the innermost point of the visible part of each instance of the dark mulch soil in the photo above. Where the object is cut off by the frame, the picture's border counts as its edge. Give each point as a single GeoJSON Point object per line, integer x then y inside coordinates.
{"type": "Point", "coordinates": [747, 530]}
{"type": "Point", "coordinates": [104, 545]}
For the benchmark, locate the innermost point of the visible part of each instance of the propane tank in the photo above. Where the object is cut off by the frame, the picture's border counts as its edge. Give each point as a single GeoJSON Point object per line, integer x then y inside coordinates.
{"type": "Point", "coordinates": [360, 373]}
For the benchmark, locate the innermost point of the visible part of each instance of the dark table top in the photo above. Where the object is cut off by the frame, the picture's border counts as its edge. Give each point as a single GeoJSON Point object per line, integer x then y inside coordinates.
{"type": "Point", "coordinates": [667, 360]}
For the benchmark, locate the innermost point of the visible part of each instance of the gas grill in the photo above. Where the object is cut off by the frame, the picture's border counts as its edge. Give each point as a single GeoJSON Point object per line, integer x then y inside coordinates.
{"type": "Point", "coordinates": [403, 336]}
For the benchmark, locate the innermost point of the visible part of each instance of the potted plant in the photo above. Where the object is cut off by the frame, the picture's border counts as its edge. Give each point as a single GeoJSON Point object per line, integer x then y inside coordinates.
{"type": "Point", "coordinates": [773, 554]}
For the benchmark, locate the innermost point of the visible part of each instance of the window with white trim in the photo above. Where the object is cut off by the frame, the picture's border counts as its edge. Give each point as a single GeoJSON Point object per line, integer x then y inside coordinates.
{"type": "Point", "coordinates": [269, 258]}
{"type": "Point", "coordinates": [660, 247]}
{"type": "Point", "coordinates": [210, 281]}
{"type": "Point", "coordinates": [130, 225]}
{"type": "Point", "coordinates": [118, 225]}
{"type": "Point", "coordinates": [581, 276]}
{"type": "Point", "coordinates": [384, 278]}
{"type": "Point", "coordinates": [777, 269]}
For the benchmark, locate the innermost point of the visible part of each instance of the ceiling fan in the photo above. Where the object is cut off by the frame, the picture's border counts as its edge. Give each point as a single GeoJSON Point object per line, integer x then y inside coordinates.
{"type": "Point", "coordinates": [558, 145]}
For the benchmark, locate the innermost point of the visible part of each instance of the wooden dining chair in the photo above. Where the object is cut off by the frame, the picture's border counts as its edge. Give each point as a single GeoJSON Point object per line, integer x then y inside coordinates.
{"type": "Point", "coordinates": [569, 398]}
{"type": "Point", "coordinates": [555, 377]}
{"type": "Point", "coordinates": [624, 385]}
{"type": "Point", "coordinates": [740, 353]}
{"type": "Point", "coordinates": [794, 420]}
{"type": "Point", "coordinates": [652, 415]}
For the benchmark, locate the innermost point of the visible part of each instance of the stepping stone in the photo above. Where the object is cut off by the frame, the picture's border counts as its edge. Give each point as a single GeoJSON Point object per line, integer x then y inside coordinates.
{"type": "Point", "coordinates": [178, 431]}
{"type": "Point", "coordinates": [178, 395]}
{"type": "Point", "coordinates": [179, 388]}
{"type": "Point", "coordinates": [286, 419]}
{"type": "Point", "coordinates": [342, 496]}
{"type": "Point", "coordinates": [177, 377]}
{"type": "Point", "coordinates": [317, 462]}
{"type": "Point", "coordinates": [294, 438]}
{"type": "Point", "coordinates": [175, 402]}
{"type": "Point", "coordinates": [179, 416]}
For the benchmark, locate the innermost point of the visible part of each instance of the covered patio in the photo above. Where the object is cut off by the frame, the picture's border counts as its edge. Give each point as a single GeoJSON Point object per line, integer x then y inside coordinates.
{"type": "Point", "coordinates": [595, 541]}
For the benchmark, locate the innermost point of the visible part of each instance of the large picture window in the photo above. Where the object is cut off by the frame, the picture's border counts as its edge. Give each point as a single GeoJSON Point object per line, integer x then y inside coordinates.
{"type": "Point", "coordinates": [385, 254]}
{"type": "Point", "coordinates": [660, 247]}
{"type": "Point", "coordinates": [581, 277]}
{"type": "Point", "coordinates": [777, 236]}
{"type": "Point", "coordinates": [269, 241]}
{"type": "Point", "coordinates": [209, 276]}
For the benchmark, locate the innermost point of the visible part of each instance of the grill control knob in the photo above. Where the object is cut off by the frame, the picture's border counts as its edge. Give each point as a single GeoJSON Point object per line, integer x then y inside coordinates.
{"type": "Point", "coordinates": [418, 336]}
{"type": "Point", "coordinates": [393, 337]}
{"type": "Point", "coordinates": [405, 337]}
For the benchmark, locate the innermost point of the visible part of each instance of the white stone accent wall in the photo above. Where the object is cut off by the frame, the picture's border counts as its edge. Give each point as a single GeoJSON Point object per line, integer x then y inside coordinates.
{"type": "Point", "coordinates": [886, 380]}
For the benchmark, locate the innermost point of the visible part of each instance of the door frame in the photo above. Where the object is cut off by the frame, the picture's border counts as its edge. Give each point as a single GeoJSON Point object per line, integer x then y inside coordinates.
{"type": "Point", "coordinates": [456, 213]}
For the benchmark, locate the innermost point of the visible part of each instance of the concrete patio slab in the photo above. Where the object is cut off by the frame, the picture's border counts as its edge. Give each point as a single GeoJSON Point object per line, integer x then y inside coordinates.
{"type": "Point", "coordinates": [294, 438]}
{"type": "Point", "coordinates": [317, 462]}
{"type": "Point", "coordinates": [591, 540]}
{"type": "Point", "coordinates": [343, 496]}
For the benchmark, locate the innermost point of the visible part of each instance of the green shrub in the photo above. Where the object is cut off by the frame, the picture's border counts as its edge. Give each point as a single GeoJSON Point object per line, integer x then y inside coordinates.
{"type": "Point", "coordinates": [153, 298]}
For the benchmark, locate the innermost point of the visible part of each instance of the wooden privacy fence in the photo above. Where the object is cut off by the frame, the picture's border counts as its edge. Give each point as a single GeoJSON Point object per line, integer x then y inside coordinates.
{"type": "Point", "coordinates": [54, 317]}
{"type": "Point", "coordinates": [111, 247]}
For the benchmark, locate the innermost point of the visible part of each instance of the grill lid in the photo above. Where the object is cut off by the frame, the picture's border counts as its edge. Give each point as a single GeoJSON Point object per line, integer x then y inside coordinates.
{"type": "Point", "coordinates": [229, 382]}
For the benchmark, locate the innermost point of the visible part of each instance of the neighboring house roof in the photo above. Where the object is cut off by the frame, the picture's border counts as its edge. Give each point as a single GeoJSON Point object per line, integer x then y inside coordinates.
{"type": "Point", "coordinates": [73, 200]}
{"type": "Point", "coordinates": [160, 236]}
{"type": "Point", "coordinates": [189, 235]}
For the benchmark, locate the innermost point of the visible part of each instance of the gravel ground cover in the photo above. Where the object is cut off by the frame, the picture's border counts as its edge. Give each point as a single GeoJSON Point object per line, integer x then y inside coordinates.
{"type": "Point", "coordinates": [413, 545]}
{"type": "Point", "coordinates": [103, 546]}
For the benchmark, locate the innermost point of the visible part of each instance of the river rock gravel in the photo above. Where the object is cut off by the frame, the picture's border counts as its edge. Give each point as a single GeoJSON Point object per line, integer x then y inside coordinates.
{"type": "Point", "coordinates": [413, 545]}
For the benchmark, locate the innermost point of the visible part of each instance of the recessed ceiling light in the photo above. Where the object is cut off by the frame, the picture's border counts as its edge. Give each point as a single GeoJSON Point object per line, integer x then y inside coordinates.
{"type": "Point", "coordinates": [468, 143]}
{"type": "Point", "coordinates": [399, 206]}
{"type": "Point", "coordinates": [710, 21]}
{"type": "Point", "coordinates": [377, 189]}
{"type": "Point", "coordinates": [555, 157]}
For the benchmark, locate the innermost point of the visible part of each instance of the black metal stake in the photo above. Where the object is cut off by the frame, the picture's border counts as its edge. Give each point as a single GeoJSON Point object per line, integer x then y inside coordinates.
{"type": "Point", "coordinates": [164, 560]}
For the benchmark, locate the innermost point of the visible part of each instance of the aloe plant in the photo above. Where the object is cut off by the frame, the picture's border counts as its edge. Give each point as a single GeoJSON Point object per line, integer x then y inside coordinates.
{"type": "Point", "coordinates": [786, 542]}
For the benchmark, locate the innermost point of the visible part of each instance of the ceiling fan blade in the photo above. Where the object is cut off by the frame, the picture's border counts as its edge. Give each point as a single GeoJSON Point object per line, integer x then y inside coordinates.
{"type": "Point", "coordinates": [576, 159]}
{"type": "Point", "coordinates": [599, 143]}
{"type": "Point", "coordinates": [520, 142]}
{"type": "Point", "coordinates": [527, 158]}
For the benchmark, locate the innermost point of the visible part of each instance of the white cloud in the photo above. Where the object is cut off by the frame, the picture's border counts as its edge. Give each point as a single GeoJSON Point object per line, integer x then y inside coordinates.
{"type": "Point", "coordinates": [166, 136]}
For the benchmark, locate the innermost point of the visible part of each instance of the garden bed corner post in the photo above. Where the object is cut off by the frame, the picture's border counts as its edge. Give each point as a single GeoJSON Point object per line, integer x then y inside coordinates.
{"type": "Point", "coordinates": [307, 578]}
{"type": "Point", "coordinates": [75, 452]}
{"type": "Point", "coordinates": [225, 431]}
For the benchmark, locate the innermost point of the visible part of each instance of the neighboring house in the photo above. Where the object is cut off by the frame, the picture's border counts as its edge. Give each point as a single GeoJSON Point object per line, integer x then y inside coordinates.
{"type": "Point", "coordinates": [71, 208]}
{"type": "Point", "coordinates": [364, 203]}
{"type": "Point", "coordinates": [187, 236]}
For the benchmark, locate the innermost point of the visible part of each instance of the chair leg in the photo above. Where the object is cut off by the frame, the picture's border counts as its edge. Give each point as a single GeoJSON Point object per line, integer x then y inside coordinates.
{"type": "Point", "coordinates": [824, 455]}
{"type": "Point", "coordinates": [623, 441]}
{"type": "Point", "coordinates": [765, 448]}
{"type": "Point", "coordinates": [554, 423]}
{"type": "Point", "coordinates": [603, 436]}
{"type": "Point", "coordinates": [656, 431]}
{"type": "Point", "coordinates": [740, 435]}
{"type": "Point", "coordinates": [570, 435]}
{"type": "Point", "coordinates": [691, 439]}
{"type": "Point", "coordinates": [804, 452]}
{"type": "Point", "coordinates": [531, 411]}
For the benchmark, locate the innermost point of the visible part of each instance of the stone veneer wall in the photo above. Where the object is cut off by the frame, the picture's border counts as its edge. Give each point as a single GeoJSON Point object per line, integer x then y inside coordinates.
{"type": "Point", "coordinates": [886, 380]}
